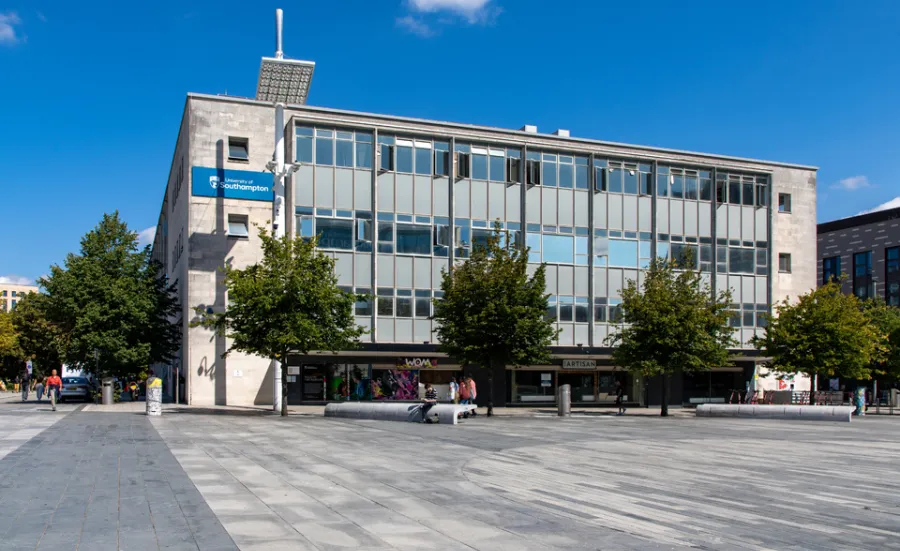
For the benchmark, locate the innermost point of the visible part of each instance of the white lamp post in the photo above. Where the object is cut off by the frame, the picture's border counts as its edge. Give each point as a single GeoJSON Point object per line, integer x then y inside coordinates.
{"type": "Point", "coordinates": [281, 81]}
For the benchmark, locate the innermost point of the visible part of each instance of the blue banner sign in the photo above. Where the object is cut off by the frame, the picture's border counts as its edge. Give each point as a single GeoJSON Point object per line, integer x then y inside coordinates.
{"type": "Point", "coordinates": [231, 184]}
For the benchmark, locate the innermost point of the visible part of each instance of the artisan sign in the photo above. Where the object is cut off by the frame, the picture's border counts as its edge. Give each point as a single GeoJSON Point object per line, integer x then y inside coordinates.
{"type": "Point", "coordinates": [579, 364]}
{"type": "Point", "coordinates": [416, 363]}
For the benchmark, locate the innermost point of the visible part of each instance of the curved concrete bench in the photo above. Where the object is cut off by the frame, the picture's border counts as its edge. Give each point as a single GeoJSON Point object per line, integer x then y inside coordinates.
{"type": "Point", "coordinates": [805, 413]}
{"type": "Point", "coordinates": [384, 411]}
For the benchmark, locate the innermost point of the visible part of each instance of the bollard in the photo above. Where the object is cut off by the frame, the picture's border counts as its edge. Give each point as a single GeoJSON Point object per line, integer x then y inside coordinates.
{"type": "Point", "coordinates": [106, 391]}
{"type": "Point", "coordinates": [564, 400]}
{"type": "Point", "coordinates": [154, 396]}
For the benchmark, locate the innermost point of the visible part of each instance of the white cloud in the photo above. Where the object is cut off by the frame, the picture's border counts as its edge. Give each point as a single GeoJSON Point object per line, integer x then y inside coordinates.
{"type": "Point", "coordinates": [146, 236]}
{"type": "Point", "coordinates": [8, 21]}
{"type": "Point", "coordinates": [852, 183]}
{"type": "Point", "coordinates": [425, 16]}
{"type": "Point", "coordinates": [892, 204]}
{"type": "Point", "coordinates": [42, 17]}
{"type": "Point", "coordinates": [415, 26]}
{"type": "Point", "coordinates": [16, 280]}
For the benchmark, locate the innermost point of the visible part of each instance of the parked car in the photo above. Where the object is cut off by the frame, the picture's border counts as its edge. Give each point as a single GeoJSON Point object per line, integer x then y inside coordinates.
{"type": "Point", "coordinates": [75, 388]}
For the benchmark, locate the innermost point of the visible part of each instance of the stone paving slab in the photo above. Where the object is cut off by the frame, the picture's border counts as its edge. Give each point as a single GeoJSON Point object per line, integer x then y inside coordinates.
{"type": "Point", "coordinates": [92, 482]}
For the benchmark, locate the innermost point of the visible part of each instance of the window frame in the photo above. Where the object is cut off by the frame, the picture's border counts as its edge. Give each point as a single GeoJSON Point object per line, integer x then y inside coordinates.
{"type": "Point", "coordinates": [784, 203]}
{"type": "Point", "coordinates": [239, 141]}
{"type": "Point", "coordinates": [781, 258]}
{"type": "Point", "coordinates": [238, 218]}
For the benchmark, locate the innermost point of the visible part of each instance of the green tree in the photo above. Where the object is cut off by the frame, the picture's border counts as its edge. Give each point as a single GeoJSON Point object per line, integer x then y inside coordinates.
{"type": "Point", "coordinates": [11, 356]}
{"type": "Point", "coordinates": [115, 312]}
{"type": "Point", "coordinates": [287, 303]}
{"type": "Point", "coordinates": [887, 319]}
{"type": "Point", "coordinates": [38, 338]}
{"type": "Point", "coordinates": [492, 314]}
{"type": "Point", "coordinates": [824, 332]}
{"type": "Point", "coordinates": [672, 323]}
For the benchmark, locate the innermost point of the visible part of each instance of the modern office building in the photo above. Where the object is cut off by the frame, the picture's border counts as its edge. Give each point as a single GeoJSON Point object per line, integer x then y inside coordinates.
{"type": "Point", "coordinates": [865, 250]}
{"type": "Point", "coordinates": [397, 200]}
{"type": "Point", "coordinates": [11, 293]}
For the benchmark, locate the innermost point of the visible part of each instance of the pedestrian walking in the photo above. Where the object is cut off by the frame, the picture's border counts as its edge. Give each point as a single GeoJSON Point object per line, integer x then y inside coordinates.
{"type": "Point", "coordinates": [454, 390]}
{"type": "Point", "coordinates": [473, 393]}
{"type": "Point", "coordinates": [620, 397]}
{"type": "Point", "coordinates": [24, 383]}
{"type": "Point", "coordinates": [54, 385]}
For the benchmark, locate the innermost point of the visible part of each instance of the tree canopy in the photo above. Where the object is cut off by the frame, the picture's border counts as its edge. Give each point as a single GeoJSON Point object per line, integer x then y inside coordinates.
{"type": "Point", "coordinates": [492, 313]}
{"type": "Point", "coordinates": [887, 319]}
{"type": "Point", "coordinates": [825, 332]}
{"type": "Point", "coordinates": [287, 303]}
{"type": "Point", "coordinates": [38, 338]}
{"type": "Point", "coordinates": [672, 322]}
{"type": "Point", "coordinates": [11, 356]}
{"type": "Point", "coordinates": [114, 310]}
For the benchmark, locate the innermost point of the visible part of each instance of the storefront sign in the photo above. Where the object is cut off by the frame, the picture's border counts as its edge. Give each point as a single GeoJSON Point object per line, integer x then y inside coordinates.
{"type": "Point", "coordinates": [416, 363]}
{"type": "Point", "coordinates": [546, 379]}
{"type": "Point", "coordinates": [231, 184]}
{"type": "Point", "coordinates": [579, 364]}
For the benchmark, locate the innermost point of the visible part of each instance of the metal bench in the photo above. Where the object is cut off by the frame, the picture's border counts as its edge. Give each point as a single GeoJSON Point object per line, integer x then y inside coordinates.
{"type": "Point", "coordinates": [408, 412]}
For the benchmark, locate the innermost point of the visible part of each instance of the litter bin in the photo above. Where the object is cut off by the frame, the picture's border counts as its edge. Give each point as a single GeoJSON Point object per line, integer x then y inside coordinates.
{"type": "Point", "coordinates": [106, 391]}
{"type": "Point", "coordinates": [154, 396]}
{"type": "Point", "coordinates": [564, 400]}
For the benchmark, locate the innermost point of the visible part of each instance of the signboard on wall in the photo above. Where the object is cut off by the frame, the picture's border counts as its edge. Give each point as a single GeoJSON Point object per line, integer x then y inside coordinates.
{"type": "Point", "coordinates": [417, 363]}
{"type": "Point", "coordinates": [231, 184]}
{"type": "Point", "coordinates": [579, 364]}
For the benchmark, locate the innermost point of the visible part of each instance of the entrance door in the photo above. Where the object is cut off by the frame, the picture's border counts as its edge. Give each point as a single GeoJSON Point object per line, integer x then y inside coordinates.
{"type": "Point", "coordinates": [582, 385]}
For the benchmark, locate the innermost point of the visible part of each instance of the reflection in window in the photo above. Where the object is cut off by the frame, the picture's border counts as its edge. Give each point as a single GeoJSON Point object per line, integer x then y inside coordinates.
{"type": "Point", "coordinates": [614, 180]}
{"type": "Point", "coordinates": [404, 158]}
{"type": "Point", "coordinates": [304, 145]}
{"type": "Point", "coordinates": [498, 171]}
{"type": "Point", "coordinates": [631, 180]}
{"type": "Point", "coordinates": [581, 309]}
{"type": "Point", "coordinates": [413, 239]}
{"type": "Point", "coordinates": [558, 248]}
{"type": "Point", "coordinates": [581, 173]}
{"type": "Point", "coordinates": [385, 302]}
{"type": "Point", "coordinates": [324, 151]}
{"type": "Point", "coordinates": [404, 303]}
{"type": "Point", "coordinates": [423, 161]}
{"type": "Point", "coordinates": [335, 233]}
{"type": "Point", "coordinates": [385, 236]}
{"type": "Point", "coordinates": [551, 308]}
{"type": "Point", "coordinates": [343, 153]}
{"type": "Point", "coordinates": [533, 242]}
{"type": "Point", "coordinates": [623, 253]}
{"type": "Point", "coordinates": [600, 309]}
{"type": "Point", "coordinates": [364, 306]}
{"type": "Point", "coordinates": [479, 167]}
{"type": "Point", "coordinates": [423, 304]}
{"type": "Point", "coordinates": [566, 174]}
{"type": "Point", "coordinates": [566, 309]}
{"type": "Point", "coordinates": [549, 171]}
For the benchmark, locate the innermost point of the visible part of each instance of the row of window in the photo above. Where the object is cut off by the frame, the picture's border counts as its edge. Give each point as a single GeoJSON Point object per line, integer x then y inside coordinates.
{"type": "Point", "coordinates": [12, 293]}
{"type": "Point", "coordinates": [863, 284]}
{"type": "Point", "coordinates": [752, 315]}
{"type": "Point", "coordinates": [399, 303]}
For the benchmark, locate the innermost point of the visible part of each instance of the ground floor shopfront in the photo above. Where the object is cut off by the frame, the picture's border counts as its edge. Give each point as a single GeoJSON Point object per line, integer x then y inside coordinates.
{"type": "Point", "coordinates": [593, 381]}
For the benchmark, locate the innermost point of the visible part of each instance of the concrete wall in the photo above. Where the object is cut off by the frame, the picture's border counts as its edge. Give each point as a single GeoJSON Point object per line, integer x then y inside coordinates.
{"type": "Point", "coordinates": [794, 232]}
{"type": "Point", "coordinates": [238, 379]}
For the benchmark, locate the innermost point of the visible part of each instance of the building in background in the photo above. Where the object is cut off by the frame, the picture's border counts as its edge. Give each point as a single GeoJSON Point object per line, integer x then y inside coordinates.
{"type": "Point", "coordinates": [397, 200]}
{"type": "Point", "coordinates": [11, 293]}
{"type": "Point", "coordinates": [865, 251]}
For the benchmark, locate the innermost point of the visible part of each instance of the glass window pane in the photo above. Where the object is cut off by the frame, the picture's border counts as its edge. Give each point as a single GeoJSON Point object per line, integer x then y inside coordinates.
{"type": "Point", "coordinates": [551, 308]}
{"type": "Point", "coordinates": [662, 185]}
{"type": "Point", "coordinates": [441, 163]}
{"type": "Point", "coordinates": [364, 155]}
{"type": "Point", "coordinates": [324, 151]}
{"type": "Point", "coordinates": [705, 190]}
{"type": "Point", "coordinates": [304, 150]}
{"type": "Point", "coordinates": [479, 167]}
{"type": "Point", "coordinates": [404, 307]}
{"type": "Point", "coordinates": [344, 153]}
{"type": "Point", "coordinates": [581, 177]}
{"type": "Point", "coordinates": [677, 183]}
{"type": "Point", "coordinates": [335, 233]}
{"type": "Point", "coordinates": [566, 176]}
{"type": "Point", "coordinates": [423, 307]}
{"type": "Point", "coordinates": [404, 159]}
{"type": "Point", "coordinates": [364, 307]}
{"type": "Point", "coordinates": [615, 180]}
{"type": "Point", "coordinates": [631, 181]}
{"type": "Point", "coordinates": [690, 187]}
{"type": "Point", "coordinates": [413, 239]}
{"type": "Point", "coordinates": [306, 226]}
{"type": "Point", "coordinates": [623, 253]}
{"type": "Point", "coordinates": [498, 168]}
{"type": "Point", "coordinates": [748, 194]}
{"type": "Point", "coordinates": [549, 174]}
{"type": "Point", "coordinates": [581, 312]}
{"type": "Point", "coordinates": [734, 192]}
{"type": "Point", "coordinates": [566, 309]}
{"type": "Point", "coordinates": [386, 306]}
{"type": "Point", "coordinates": [558, 248]}
{"type": "Point", "coordinates": [600, 313]}
{"type": "Point", "coordinates": [423, 161]}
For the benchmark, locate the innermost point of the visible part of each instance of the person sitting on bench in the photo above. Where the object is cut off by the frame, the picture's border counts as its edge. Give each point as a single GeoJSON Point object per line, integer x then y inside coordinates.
{"type": "Point", "coordinates": [430, 401]}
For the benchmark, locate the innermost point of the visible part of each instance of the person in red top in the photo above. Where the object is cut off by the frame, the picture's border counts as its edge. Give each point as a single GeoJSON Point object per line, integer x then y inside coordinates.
{"type": "Point", "coordinates": [54, 385]}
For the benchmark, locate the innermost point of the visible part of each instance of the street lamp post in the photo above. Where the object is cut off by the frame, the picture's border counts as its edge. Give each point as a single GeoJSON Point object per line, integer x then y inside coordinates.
{"type": "Point", "coordinates": [281, 81]}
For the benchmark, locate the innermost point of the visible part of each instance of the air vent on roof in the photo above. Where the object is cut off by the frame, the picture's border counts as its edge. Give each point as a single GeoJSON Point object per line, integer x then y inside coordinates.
{"type": "Point", "coordinates": [530, 128]}
{"type": "Point", "coordinates": [561, 133]}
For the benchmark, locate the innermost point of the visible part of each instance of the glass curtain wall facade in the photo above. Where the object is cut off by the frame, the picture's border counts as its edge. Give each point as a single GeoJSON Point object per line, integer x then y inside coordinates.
{"type": "Point", "coordinates": [419, 203]}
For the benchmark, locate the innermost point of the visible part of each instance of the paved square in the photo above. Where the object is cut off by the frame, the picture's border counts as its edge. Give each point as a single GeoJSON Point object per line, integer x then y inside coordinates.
{"type": "Point", "coordinates": [201, 479]}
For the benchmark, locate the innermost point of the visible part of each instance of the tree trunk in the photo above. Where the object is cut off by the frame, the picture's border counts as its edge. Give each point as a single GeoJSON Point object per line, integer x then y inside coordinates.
{"type": "Point", "coordinates": [664, 410]}
{"type": "Point", "coordinates": [284, 391]}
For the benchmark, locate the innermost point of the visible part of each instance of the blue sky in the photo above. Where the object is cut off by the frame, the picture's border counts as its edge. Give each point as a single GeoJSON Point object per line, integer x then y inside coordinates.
{"type": "Point", "coordinates": [92, 92]}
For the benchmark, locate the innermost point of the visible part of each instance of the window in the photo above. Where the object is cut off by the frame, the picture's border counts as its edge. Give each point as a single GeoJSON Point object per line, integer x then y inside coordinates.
{"type": "Point", "coordinates": [404, 156]}
{"type": "Point", "coordinates": [479, 164]}
{"type": "Point", "coordinates": [385, 232]}
{"type": "Point", "coordinates": [414, 239]}
{"type": "Point", "coordinates": [463, 164]}
{"type": "Point", "coordinates": [335, 233]}
{"type": "Point", "coordinates": [892, 276]}
{"type": "Point", "coordinates": [784, 202]}
{"type": "Point", "coordinates": [238, 225]}
{"type": "Point", "coordinates": [343, 149]}
{"type": "Point", "coordinates": [862, 274]}
{"type": "Point", "coordinates": [566, 172]}
{"type": "Point", "coordinates": [238, 149]}
{"type": "Point", "coordinates": [404, 307]}
{"type": "Point", "coordinates": [423, 303]}
{"type": "Point", "coordinates": [581, 309]}
{"type": "Point", "coordinates": [558, 248]}
{"type": "Point", "coordinates": [2, 293]}
{"type": "Point", "coordinates": [364, 305]}
{"type": "Point", "coordinates": [304, 152]}
{"type": "Point", "coordinates": [424, 156]}
{"type": "Point", "coordinates": [497, 166]}
{"type": "Point", "coordinates": [623, 253]}
{"type": "Point", "coordinates": [441, 163]}
{"type": "Point", "coordinates": [831, 269]}
{"type": "Point", "coordinates": [581, 173]}
{"type": "Point", "coordinates": [551, 308]}
{"type": "Point", "coordinates": [734, 190]}
{"type": "Point", "coordinates": [385, 301]}
{"type": "Point", "coordinates": [533, 169]}
{"type": "Point", "coordinates": [386, 152]}
{"type": "Point", "coordinates": [548, 172]}
{"type": "Point", "coordinates": [363, 150]}
{"type": "Point", "coordinates": [324, 147]}
{"type": "Point", "coordinates": [784, 263]}
{"type": "Point", "coordinates": [513, 170]}
{"type": "Point", "coordinates": [566, 308]}
{"type": "Point", "coordinates": [13, 305]}
{"type": "Point", "coordinates": [600, 309]}
{"type": "Point", "coordinates": [601, 174]}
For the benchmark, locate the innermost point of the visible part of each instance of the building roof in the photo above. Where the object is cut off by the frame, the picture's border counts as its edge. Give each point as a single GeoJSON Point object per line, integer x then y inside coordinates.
{"type": "Point", "coordinates": [521, 134]}
{"type": "Point", "coordinates": [858, 220]}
